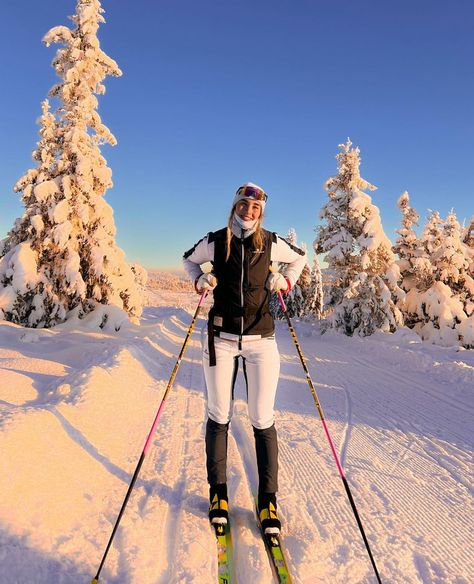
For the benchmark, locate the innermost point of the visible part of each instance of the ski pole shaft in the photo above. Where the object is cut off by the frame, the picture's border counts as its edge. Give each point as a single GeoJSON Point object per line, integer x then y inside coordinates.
{"type": "Point", "coordinates": [150, 435]}
{"type": "Point", "coordinates": [328, 435]}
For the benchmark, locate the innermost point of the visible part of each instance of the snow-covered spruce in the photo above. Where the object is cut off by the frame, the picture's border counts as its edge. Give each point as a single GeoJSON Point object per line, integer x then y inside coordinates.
{"type": "Point", "coordinates": [407, 245]}
{"type": "Point", "coordinates": [314, 298]}
{"type": "Point", "coordinates": [362, 298]}
{"type": "Point", "coordinates": [468, 239]}
{"type": "Point", "coordinates": [444, 304]}
{"type": "Point", "coordinates": [296, 299]}
{"type": "Point", "coordinates": [61, 254]}
{"type": "Point", "coordinates": [414, 263]}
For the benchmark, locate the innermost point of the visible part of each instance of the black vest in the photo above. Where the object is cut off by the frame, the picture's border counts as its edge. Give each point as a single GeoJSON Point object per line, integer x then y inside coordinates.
{"type": "Point", "coordinates": [241, 301]}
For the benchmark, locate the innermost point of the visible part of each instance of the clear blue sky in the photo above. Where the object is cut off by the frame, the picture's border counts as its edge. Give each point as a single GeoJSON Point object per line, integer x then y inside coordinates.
{"type": "Point", "coordinates": [214, 94]}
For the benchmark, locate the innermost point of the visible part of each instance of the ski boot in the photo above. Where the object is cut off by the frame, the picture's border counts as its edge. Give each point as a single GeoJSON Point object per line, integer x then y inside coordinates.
{"type": "Point", "coordinates": [267, 513]}
{"type": "Point", "coordinates": [219, 504]}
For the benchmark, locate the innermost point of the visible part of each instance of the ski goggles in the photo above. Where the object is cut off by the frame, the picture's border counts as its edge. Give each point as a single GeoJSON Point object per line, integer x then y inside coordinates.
{"type": "Point", "coordinates": [252, 193]}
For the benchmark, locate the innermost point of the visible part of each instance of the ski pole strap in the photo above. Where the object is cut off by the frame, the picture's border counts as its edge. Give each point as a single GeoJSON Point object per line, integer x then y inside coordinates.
{"type": "Point", "coordinates": [210, 341]}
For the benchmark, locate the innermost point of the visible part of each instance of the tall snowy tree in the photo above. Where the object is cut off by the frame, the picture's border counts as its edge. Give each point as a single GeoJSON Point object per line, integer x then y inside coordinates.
{"type": "Point", "coordinates": [295, 299]}
{"type": "Point", "coordinates": [314, 297]}
{"type": "Point", "coordinates": [432, 233]}
{"type": "Point", "coordinates": [61, 254]}
{"type": "Point", "coordinates": [414, 263]}
{"type": "Point", "coordinates": [444, 303]}
{"type": "Point", "coordinates": [407, 245]}
{"type": "Point", "coordinates": [365, 289]}
{"type": "Point", "coordinates": [468, 239]}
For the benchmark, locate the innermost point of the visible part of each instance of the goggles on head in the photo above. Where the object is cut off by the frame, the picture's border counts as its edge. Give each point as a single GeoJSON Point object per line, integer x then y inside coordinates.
{"type": "Point", "coordinates": [252, 193]}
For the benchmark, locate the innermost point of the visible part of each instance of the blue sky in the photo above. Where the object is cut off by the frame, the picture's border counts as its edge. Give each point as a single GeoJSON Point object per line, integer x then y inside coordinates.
{"type": "Point", "coordinates": [215, 94]}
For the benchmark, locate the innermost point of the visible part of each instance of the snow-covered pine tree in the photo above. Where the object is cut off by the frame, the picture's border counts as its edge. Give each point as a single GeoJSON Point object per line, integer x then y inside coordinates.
{"type": "Point", "coordinates": [432, 233]}
{"type": "Point", "coordinates": [447, 305]}
{"type": "Point", "coordinates": [414, 263]}
{"type": "Point", "coordinates": [314, 297]}
{"type": "Point", "coordinates": [61, 254]}
{"type": "Point", "coordinates": [407, 245]}
{"type": "Point", "coordinates": [365, 289]}
{"type": "Point", "coordinates": [468, 239]}
{"type": "Point", "coordinates": [451, 258]}
{"type": "Point", "coordinates": [295, 299]}
{"type": "Point", "coordinates": [27, 294]}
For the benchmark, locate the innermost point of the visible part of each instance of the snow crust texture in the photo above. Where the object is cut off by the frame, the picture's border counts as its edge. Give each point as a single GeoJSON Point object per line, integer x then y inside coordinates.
{"type": "Point", "coordinates": [76, 406]}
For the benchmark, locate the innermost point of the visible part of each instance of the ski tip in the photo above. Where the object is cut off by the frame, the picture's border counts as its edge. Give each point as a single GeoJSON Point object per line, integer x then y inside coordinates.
{"type": "Point", "coordinates": [95, 581]}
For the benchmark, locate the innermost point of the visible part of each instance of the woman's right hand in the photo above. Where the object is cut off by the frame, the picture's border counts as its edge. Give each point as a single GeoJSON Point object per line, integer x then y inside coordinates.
{"type": "Point", "coordinates": [205, 282]}
{"type": "Point", "coordinates": [277, 282]}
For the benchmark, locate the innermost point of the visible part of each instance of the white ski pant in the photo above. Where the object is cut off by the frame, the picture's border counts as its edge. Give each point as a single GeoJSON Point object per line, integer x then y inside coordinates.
{"type": "Point", "coordinates": [261, 364]}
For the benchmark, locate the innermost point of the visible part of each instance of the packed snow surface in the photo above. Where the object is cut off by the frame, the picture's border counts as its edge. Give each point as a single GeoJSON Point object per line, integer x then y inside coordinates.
{"type": "Point", "coordinates": [76, 407]}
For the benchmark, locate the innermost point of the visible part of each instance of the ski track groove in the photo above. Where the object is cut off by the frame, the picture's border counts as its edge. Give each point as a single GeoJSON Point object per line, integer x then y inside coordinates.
{"type": "Point", "coordinates": [308, 462]}
{"type": "Point", "coordinates": [175, 452]}
{"type": "Point", "coordinates": [415, 413]}
{"type": "Point", "coordinates": [175, 510]}
{"type": "Point", "coordinates": [386, 487]}
{"type": "Point", "coordinates": [254, 550]}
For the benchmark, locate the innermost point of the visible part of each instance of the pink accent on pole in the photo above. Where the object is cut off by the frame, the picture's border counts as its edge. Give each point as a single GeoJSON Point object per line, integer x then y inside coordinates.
{"type": "Point", "coordinates": [282, 302]}
{"type": "Point", "coordinates": [333, 448]}
{"type": "Point", "coordinates": [203, 296]}
{"type": "Point", "coordinates": [162, 405]}
{"type": "Point", "coordinates": [326, 429]}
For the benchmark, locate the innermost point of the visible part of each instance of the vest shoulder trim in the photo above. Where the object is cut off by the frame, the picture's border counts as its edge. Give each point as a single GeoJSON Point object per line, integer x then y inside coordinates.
{"type": "Point", "coordinates": [190, 251]}
{"type": "Point", "coordinates": [213, 235]}
{"type": "Point", "coordinates": [298, 250]}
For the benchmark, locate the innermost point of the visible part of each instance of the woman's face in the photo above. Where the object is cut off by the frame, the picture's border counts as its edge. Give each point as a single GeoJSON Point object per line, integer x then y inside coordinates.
{"type": "Point", "coordinates": [248, 210]}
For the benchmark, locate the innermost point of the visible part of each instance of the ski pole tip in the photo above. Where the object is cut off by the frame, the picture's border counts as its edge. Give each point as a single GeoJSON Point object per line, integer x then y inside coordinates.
{"type": "Point", "coordinates": [95, 581]}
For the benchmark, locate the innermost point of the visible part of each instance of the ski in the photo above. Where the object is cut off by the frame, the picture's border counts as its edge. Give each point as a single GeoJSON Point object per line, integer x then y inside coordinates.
{"type": "Point", "coordinates": [276, 555]}
{"type": "Point", "coordinates": [224, 553]}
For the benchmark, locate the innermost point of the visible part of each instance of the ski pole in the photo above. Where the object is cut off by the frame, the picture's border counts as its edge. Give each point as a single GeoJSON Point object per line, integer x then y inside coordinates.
{"type": "Point", "coordinates": [328, 435]}
{"type": "Point", "coordinates": [150, 435]}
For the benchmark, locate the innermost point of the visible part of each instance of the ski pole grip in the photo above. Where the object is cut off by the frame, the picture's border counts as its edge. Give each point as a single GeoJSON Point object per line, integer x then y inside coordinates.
{"type": "Point", "coordinates": [274, 268]}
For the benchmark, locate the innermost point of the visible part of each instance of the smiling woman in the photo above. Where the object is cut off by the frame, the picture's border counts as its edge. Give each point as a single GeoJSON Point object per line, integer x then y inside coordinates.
{"type": "Point", "coordinates": [240, 326]}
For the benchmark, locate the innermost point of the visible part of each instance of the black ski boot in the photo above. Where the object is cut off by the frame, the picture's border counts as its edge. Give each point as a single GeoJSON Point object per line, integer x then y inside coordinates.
{"type": "Point", "coordinates": [219, 504]}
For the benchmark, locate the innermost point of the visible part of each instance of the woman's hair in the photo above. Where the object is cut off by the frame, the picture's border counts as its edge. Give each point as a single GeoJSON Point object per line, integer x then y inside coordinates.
{"type": "Point", "coordinates": [257, 236]}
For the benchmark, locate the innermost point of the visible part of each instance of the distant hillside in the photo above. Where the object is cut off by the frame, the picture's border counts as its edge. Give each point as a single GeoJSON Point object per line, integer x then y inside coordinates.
{"type": "Point", "coordinates": [172, 280]}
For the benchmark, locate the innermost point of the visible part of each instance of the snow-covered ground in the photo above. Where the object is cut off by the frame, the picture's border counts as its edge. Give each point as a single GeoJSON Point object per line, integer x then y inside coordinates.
{"type": "Point", "coordinates": [76, 406]}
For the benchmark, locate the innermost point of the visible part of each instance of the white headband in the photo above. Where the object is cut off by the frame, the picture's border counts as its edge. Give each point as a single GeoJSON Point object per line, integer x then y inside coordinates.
{"type": "Point", "coordinates": [240, 195]}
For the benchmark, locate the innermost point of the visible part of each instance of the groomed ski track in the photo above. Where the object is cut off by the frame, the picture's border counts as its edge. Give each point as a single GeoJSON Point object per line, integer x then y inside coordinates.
{"type": "Point", "coordinates": [400, 412]}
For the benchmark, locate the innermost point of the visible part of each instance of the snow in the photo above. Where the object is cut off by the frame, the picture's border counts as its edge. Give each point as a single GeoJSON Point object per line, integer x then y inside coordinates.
{"type": "Point", "coordinates": [45, 190]}
{"type": "Point", "coordinates": [76, 406]}
{"type": "Point", "coordinates": [19, 265]}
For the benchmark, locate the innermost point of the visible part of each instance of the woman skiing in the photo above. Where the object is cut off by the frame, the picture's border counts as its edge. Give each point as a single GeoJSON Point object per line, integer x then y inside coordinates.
{"type": "Point", "coordinates": [240, 325]}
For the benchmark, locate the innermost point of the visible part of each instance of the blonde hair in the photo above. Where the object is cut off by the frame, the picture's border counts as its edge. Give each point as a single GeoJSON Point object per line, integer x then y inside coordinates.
{"type": "Point", "coordinates": [258, 238]}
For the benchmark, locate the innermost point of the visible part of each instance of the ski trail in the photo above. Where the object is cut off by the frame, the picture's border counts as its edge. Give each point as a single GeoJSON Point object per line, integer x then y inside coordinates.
{"type": "Point", "coordinates": [252, 564]}
{"type": "Point", "coordinates": [410, 455]}
{"type": "Point", "coordinates": [185, 504]}
{"type": "Point", "coordinates": [167, 512]}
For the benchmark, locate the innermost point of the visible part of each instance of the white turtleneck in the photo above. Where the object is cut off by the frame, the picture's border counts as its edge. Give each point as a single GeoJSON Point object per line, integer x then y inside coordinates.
{"type": "Point", "coordinates": [243, 228]}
